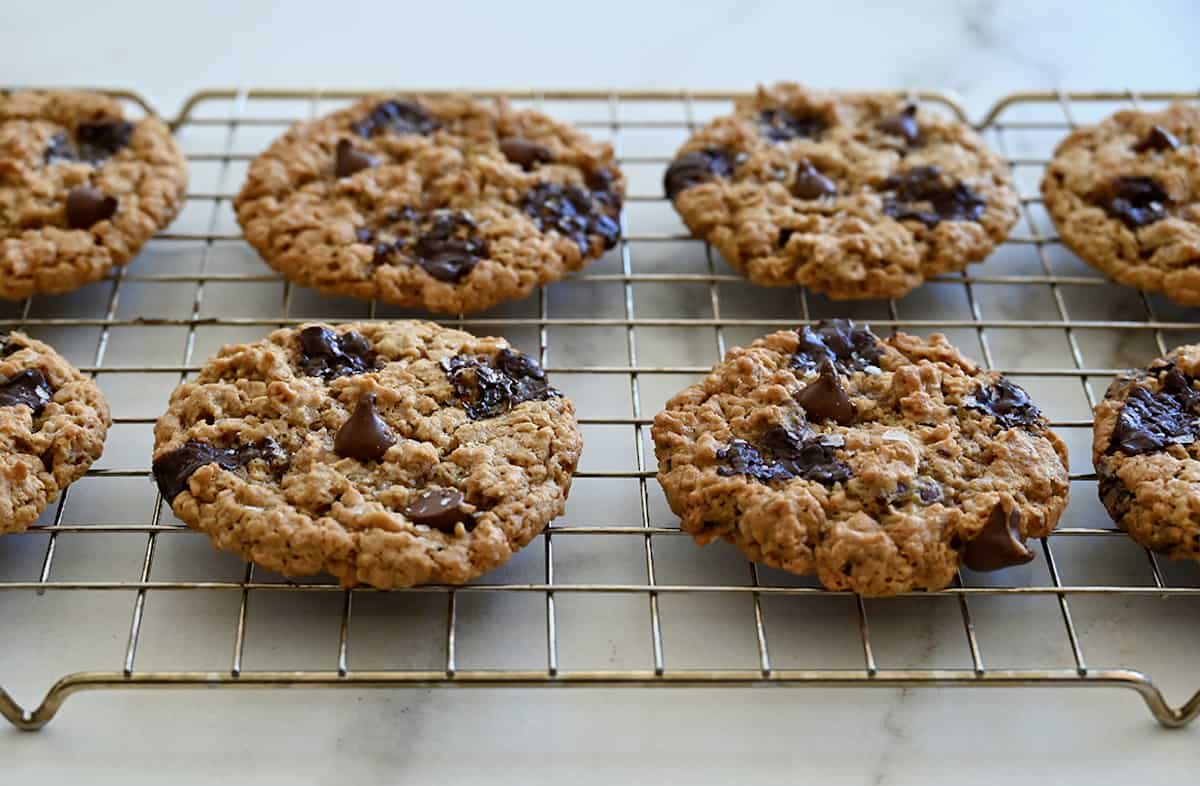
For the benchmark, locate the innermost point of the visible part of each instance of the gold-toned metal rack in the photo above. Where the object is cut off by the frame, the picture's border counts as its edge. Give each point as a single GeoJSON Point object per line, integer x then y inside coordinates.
{"type": "Point", "coordinates": [660, 307]}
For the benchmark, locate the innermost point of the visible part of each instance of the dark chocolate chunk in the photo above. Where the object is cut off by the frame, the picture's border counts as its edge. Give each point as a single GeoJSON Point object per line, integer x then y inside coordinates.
{"type": "Point", "coordinates": [364, 435]}
{"type": "Point", "coordinates": [922, 194]}
{"type": "Point", "coordinates": [172, 471]}
{"type": "Point", "coordinates": [1149, 422]}
{"type": "Point", "coordinates": [575, 212]}
{"type": "Point", "coordinates": [780, 454]}
{"type": "Point", "coordinates": [487, 387]}
{"type": "Point", "coordinates": [525, 153]}
{"type": "Point", "coordinates": [325, 354]}
{"type": "Point", "coordinates": [28, 388]}
{"type": "Point", "coordinates": [903, 125]}
{"type": "Point", "coordinates": [1114, 494]}
{"type": "Point", "coordinates": [60, 148]}
{"type": "Point", "coordinates": [999, 545]}
{"type": "Point", "coordinates": [347, 160]}
{"type": "Point", "coordinates": [1136, 201]}
{"type": "Point", "coordinates": [399, 117]}
{"type": "Point", "coordinates": [929, 493]}
{"type": "Point", "coordinates": [811, 184]}
{"type": "Point", "coordinates": [1009, 404]}
{"type": "Point", "coordinates": [440, 509]}
{"type": "Point", "coordinates": [9, 345]}
{"type": "Point", "coordinates": [848, 346]}
{"type": "Point", "coordinates": [1159, 139]}
{"type": "Point", "coordinates": [780, 125]}
{"type": "Point", "coordinates": [94, 142]}
{"type": "Point", "coordinates": [451, 247]}
{"type": "Point", "coordinates": [87, 206]}
{"type": "Point", "coordinates": [692, 169]}
{"type": "Point", "coordinates": [825, 399]}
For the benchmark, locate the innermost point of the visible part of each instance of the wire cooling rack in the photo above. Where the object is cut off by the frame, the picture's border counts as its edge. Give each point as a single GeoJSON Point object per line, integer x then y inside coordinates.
{"type": "Point", "coordinates": [111, 591]}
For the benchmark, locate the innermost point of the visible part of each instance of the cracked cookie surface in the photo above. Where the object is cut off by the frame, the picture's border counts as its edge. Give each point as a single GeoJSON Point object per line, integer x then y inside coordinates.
{"type": "Point", "coordinates": [53, 421]}
{"type": "Point", "coordinates": [852, 195]}
{"type": "Point", "coordinates": [389, 454]}
{"type": "Point", "coordinates": [81, 189]}
{"type": "Point", "coordinates": [446, 203]}
{"type": "Point", "coordinates": [1146, 453]}
{"type": "Point", "coordinates": [877, 464]}
{"type": "Point", "coordinates": [1125, 196]}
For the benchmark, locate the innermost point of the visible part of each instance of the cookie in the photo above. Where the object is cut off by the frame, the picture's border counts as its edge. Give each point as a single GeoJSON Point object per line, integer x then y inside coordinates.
{"type": "Point", "coordinates": [81, 189]}
{"type": "Point", "coordinates": [851, 195]}
{"type": "Point", "coordinates": [450, 204]}
{"type": "Point", "coordinates": [387, 453]}
{"type": "Point", "coordinates": [53, 421]}
{"type": "Point", "coordinates": [878, 465]}
{"type": "Point", "coordinates": [1125, 196]}
{"type": "Point", "coordinates": [1146, 453]}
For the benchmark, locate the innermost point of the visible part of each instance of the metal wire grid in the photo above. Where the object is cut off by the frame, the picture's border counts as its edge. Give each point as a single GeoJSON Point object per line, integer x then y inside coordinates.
{"type": "Point", "coordinates": [229, 112]}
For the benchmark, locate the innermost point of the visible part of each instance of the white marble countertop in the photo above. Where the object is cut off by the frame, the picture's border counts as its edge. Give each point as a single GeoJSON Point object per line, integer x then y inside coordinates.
{"type": "Point", "coordinates": [980, 50]}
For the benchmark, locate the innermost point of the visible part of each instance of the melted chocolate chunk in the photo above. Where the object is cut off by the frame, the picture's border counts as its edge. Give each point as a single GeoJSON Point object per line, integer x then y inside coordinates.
{"type": "Point", "coordinates": [325, 354]}
{"type": "Point", "coordinates": [780, 125]}
{"type": "Point", "coordinates": [1149, 422]}
{"type": "Point", "coordinates": [1136, 201]}
{"type": "Point", "coordinates": [487, 387]}
{"type": "Point", "coordinates": [171, 471]}
{"type": "Point", "coordinates": [779, 454]}
{"type": "Point", "coordinates": [903, 125]}
{"type": "Point", "coordinates": [95, 141]}
{"type": "Point", "coordinates": [1009, 404]}
{"type": "Point", "coordinates": [9, 345]}
{"type": "Point", "coordinates": [440, 509]}
{"type": "Point", "coordinates": [1114, 494]}
{"type": "Point", "coordinates": [921, 194]}
{"type": "Point", "coordinates": [826, 399]}
{"type": "Point", "coordinates": [451, 247]}
{"type": "Point", "coordinates": [398, 117]}
{"type": "Point", "coordinates": [364, 435]}
{"type": "Point", "coordinates": [524, 152]}
{"type": "Point", "coordinates": [999, 545]}
{"type": "Point", "coordinates": [848, 346]}
{"type": "Point", "coordinates": [28, 388]}
{"type": "Point", "coordinates": [811, 184]}
{"type": "Point", "coordinates": [929, 493]}
{"type": "Point", "coordinates": [1159, 139]}
{"type": "Point", "coordinates": [347, 160]}
{"type": "Point", "coordinates": [87, 206]}
{"type": "Point", "coordinates": [575, 212]}
{"type": "Point", "coordinates": [699, 166]}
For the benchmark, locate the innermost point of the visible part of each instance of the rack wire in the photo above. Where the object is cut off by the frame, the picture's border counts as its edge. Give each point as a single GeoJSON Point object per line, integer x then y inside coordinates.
{"type": "Point", "coordinates": [110, 590]}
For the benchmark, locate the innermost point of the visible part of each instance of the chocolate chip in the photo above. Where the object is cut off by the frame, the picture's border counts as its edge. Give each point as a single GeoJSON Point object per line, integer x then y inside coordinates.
{"type": "Point", "coordinates": [999, 545]}
{"type": "Point", "coordinates": [525, 153]}
{"type": "Point", "coordinates": [399, 117]}
{"type": "Point", "coordinates": [347, 160]}
{"type": "Point", "coordinates": [575, 212]}
{"type": "Point", "coordinates": [325, 354]}
{"type": "Point", "coordinates": [1136, 201]}
{"type": "Point", "coordinates": [1149, 422]}
{"type": "Point", "coordinates": [451, 247]}
{"type": "Point", "coordinates": [781, 454]}
{"type": "Point", "coordinates": [848, 346]}
{"type": "Point", "coordinates": [1114, 494]}
{"type": "Point", "coordinates": [1009, 404]}
{"type": "Point", "coordinates": [28, 388]}
{"type": "Point", "coordinates": [780, 125]}
{"type": "Point", "coordinates": [903, 125]}
{"type": "Point", "coordinates": [811, 184]}
{"type": "Point", "coordinates": [101, 139]}
{"type": "Point", "coordinates": [364, 435]}
{"type": "Point", "coordinates": [87, 206]}
{"type": "Point", "coordinates": [825, 399]}
{"type": "Point", "coordinates": [921, 194]}
{"type": "Point", "coordinates": [487, 387]}
{"type": "Point", "coordinates": [172, 470]}
{"type": "Point", "coordinates": [9, 345]}
{"type": "Point", "coordinates": [60, 148]}
{"type": "Point", "coordinates": [692, 169]}
{"type": "Point", "coordinates": [1159, 139]}
{"type": "Point", "coordinates": [440, 509]}
{"type": "Point", "coordinates": [929, 493]}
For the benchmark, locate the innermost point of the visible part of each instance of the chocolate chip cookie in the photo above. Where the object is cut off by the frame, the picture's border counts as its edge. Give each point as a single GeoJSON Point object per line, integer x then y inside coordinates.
{"type": "Point", "coordinates": [1147, 456]}
{"type": "Point", "coordinates": [388, 454]}
{"type": "Point", "coordinates": [1125, 196]}
{"type": "Point", "coordinates": [53, 421]}
{"type": "Point", "coordinates": [81, 189]}
{"type": "Point", "coordinates": [852, 195]}
{"type": "Point", "coordinates": [450, 203]}
{"type": "Point", "coordinates": [878, 465]}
